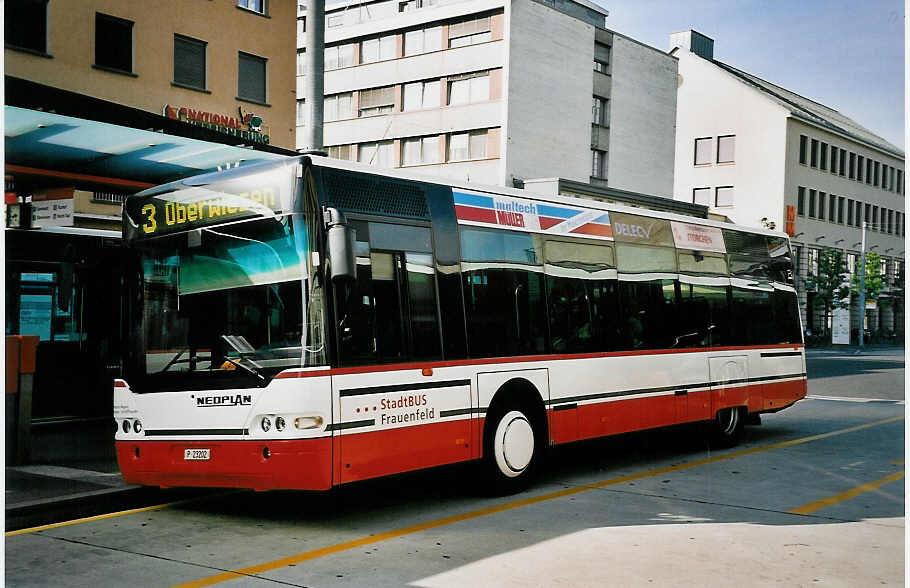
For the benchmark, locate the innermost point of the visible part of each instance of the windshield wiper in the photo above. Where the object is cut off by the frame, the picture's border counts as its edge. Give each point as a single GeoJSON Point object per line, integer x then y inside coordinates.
{"type": "Point", "coordinates": [245, 367]}
{"type": "Point", "coordinates": [244, 349]}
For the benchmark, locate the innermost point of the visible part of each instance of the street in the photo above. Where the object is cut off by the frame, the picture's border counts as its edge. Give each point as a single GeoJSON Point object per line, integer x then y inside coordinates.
{"type": "Point", "coordinates": [814, 495]}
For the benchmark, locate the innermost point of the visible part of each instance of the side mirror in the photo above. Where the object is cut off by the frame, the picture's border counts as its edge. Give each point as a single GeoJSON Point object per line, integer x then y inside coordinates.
{"type": "Point", "coordinates": [781, 264]}
{"type": "Point", "coordinates": [342, 258]}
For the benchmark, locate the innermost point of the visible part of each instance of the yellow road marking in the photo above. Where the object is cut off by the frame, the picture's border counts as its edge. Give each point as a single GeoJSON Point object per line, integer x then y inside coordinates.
{"type": "Point", "coordinates": [847, 495]}
{"type": "Point", "coordinates": [339, 547]}
{"type": "Point", "coordinates": [94, 518]}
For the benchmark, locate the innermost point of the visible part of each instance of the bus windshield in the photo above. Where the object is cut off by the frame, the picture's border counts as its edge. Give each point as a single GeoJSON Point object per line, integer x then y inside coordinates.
{"type": "Point", "coordinates": [225, 306]}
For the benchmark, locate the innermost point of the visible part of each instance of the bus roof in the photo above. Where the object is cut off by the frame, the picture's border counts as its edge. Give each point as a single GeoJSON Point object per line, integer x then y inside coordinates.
{"type": "Point", "coordinates": [519, 193]}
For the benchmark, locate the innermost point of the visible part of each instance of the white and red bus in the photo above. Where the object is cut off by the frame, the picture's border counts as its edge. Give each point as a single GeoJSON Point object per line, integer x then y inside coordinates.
{"type": "Point", "coordinates": [313, 322]}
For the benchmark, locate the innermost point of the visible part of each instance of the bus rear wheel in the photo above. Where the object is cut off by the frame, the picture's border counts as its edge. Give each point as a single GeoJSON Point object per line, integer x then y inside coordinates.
{"type": "Point", "coordinates": [511, 449]}
{"type": "Point", "coordinates": [727, 428]}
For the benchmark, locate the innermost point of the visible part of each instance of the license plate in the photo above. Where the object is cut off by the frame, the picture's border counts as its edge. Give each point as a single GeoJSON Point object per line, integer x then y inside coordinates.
{"type": "Point", "coordinates": [197, 454]}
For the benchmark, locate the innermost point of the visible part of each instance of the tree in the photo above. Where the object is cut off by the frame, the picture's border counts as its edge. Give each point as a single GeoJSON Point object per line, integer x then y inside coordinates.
{"type": "Point", "coordinates": [875, 281]}
{"type": "Point", "coordinates": [830, 283]}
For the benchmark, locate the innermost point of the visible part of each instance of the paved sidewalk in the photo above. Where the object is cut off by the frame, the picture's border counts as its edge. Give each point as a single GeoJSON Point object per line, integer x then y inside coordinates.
{"type": "Point", "coordinates": [73, 473]}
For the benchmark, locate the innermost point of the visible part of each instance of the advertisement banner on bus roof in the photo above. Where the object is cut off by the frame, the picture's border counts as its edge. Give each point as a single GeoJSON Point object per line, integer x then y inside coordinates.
{"type": "Point", "coordinates": [631, 228]}
{"type": "Point", "coordinates": [520, 214]}
{"type": "Point", "coordinates": [698, 237]}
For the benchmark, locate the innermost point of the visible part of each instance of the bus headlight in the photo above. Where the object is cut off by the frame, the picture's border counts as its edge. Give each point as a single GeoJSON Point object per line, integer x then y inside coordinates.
{"type": "Point", "coordinates": [308, 422]}
{"type": "Point", "coordinates": [279, 423]}
{"type": "Point", "coordinates": [266, 424]}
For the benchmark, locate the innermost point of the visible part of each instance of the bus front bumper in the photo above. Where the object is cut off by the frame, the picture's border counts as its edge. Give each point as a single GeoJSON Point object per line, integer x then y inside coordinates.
{"type": "Point", "coordinates": [303, 464]}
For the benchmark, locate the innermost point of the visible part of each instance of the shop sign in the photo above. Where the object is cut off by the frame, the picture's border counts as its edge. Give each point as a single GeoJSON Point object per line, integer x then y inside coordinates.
{"type": "Point", "coordinates": [54, 208]}
{"type": "Point", "coordinates": [247, 125]}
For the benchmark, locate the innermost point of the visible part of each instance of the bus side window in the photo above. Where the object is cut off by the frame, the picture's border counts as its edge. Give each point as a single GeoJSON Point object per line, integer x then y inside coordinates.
{"type": "Point", "coordinates": [647, 295]}
{"type": "Point", "coordinates": [704, 308]}
{"type": "Point", "coordinates": [581, 296]}
{"type": "Point", "coordinates": [504, 292]}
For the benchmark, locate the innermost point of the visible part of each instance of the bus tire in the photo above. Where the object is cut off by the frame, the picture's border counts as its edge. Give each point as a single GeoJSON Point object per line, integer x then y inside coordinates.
{"type": "Point", "coordinates": [512, 448]}
{"type": "Point", "coordinates": [727, 427]}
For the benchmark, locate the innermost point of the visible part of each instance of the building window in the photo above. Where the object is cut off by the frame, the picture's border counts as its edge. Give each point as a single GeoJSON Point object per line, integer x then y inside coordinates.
{"type": "Point", "coordinates": [890, 222]}
{"type": "Point", "coordinates": [423, 41]}
{"type": "Point", "coordinates": [812, 194]}
{"type": "Point", "coordinates": [797, 257]}
{"type": "Point", "coordinates": [851, 264]}
{"type": "Point", "coordinates": [113, 43]}
{"type": "Point", "coordinates": [471, 145]}
{"type": "Point", "coordinates": [724, 196]}
{"type": "Point", "coordinates": [850, 211]}
{"type": "Point", "coordinates": [334, 20]}
{"type": "Point", "coordinates": [703, 151]}
{"type": "Point", "coordinates": [801, 201]}
{"type": "Point", "coordinates": [813, 153]}
{"type": "Point", "coordinates": [469, 31]}
{"type": "Point", "coordinates": [898, 185]}
{"type": "Point", "coordinates": [189, 62]}
{"type": "Point", "coordinates": [840, 210]}
{"type": "Point", "coordinates": [376, 101]}
{"type": "Point", "coordinates": [701, 196]}
{"type": "Point", "coordinates": [257, 6]}
{"type": "Point", "coordinates": [381, 154]}
{"type": "Point", "coordinates": [408, 5]}
{"type": "Point", "coordinates": [420, 150]}
{"type": "Point", "coordinates": [859, 168]}
{"type": "Point", "coordinates": [301, 112]}
{"type": "Point", "coordinates": [344, 152]}
{"type": "Point", "coordinates": [301, 62]}
{"type": "Point", "coordinates": [378, 49]}
{"type": "Point", "coordinates": [338, 107]}
{"type": "Point", "coordinates": [109, 197]}
{"type": "Point", "coordinates": [600, 114]}
{"type": "Point", "coordinates": [869, 170]}
{"type": "Point", "coordinates": [852, 175]}
{"type": "Point", "coordinates": [823, 163]}
{"type": "Point", "coordinates": [251, 78]}
{"type": "Point", "coordinates": [601, 57]}
{"type": "Point", "coordinates": [867, 215]}
{"type": "Point", "coordinates": [812, 259]}
{"type": "Point", "coordinates": [821, 205]}
{"type": "Point", "coordinates": [858, 213]}
{"type": "Point", "coordinates": [891, 180]}
{"type": "Point", "coordinates": [339, 56]}
{"type": "Point", "coordinates": [803, 141]}
{"type": "Point", "coordinates": [25, 24]}
{"type": "Point", "coordinates": [832, 208]}
{"type": "Point", "coordinates": [875, 226]}
{"type": "Point", "coordinates": [833, 167]}
{"type": "Point", "coordinates": [301, 26]}
{"type": "Point", "coordinates": [599, 164]}
{"type": "Point", "coordinates": [419, 95]}
{"type": "Point", "coordinates": [469, 88]}
{"type": "Point", "coordinates": [726, 145]}
{"type": "Point", "coordinates": [875, 175]}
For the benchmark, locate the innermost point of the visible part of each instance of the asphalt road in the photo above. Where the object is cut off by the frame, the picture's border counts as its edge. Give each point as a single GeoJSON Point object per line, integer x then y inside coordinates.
{"type": "Point", "coordinates": [813, 496]}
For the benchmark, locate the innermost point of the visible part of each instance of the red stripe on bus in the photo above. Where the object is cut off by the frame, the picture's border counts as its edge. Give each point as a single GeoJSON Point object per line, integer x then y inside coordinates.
{"type": "Point", "coordinates": [524, 359]}
{"type": "Point", "coordinates": [307, 464]}
{"type": "Point", "coordinates": [595, 229]}
{"type": "Point", "coordinates": [471, 213]}
{"type": "Point", "coordinates": [295, 464]}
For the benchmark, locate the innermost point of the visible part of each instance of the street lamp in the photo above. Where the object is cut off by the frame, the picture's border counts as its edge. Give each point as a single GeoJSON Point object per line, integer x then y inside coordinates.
{"type": "Point", "coordinates": [838, 241]}
{"type": "Point", "coordinates": [819, 238]}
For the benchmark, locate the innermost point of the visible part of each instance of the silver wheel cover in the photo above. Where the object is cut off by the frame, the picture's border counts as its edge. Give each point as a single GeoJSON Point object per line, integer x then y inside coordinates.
{"type": "Point", "coordinates": [513, 444]}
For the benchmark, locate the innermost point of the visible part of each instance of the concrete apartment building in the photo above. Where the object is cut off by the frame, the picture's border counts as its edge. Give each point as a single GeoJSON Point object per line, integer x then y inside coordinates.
{"type": "Point", "coordinates": [758, 154]}
{"type": "Point", "coordinates": [104, 98]}
{"type": "Point", "coordinates": [497, 92]}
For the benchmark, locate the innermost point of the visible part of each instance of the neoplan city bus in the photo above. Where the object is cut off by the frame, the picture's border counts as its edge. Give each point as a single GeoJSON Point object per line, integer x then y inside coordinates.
{"type": "Point", "coordinates": [309, 323]}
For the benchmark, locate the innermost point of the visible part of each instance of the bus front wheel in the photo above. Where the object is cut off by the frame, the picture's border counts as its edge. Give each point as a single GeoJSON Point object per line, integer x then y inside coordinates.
{"type": "Point", "coordinates": [511, 449]}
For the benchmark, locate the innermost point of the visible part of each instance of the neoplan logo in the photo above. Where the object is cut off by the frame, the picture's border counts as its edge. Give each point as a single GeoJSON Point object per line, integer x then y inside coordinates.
{"type": "Point", "coordinates": [225, 400]}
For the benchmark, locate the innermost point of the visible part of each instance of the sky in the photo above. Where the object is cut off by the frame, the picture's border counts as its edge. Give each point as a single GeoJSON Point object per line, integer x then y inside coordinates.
{"type": "Point", "coordinates": [847, 55]}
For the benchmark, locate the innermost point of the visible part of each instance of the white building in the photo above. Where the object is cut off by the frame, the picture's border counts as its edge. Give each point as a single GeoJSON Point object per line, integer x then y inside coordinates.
{"type": "Point", "coordinates": [497, 92]}
{"type": "Point", "coordinates": [760, 154]}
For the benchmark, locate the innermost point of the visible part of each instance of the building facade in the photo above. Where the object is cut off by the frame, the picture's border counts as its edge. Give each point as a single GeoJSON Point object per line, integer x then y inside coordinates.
{"type": "Point", "coordinates": [104, 98]}
{"type": "Point", "coordinates": [496, 92]}
{"type": "Point", "coordinates": [763, 155]}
